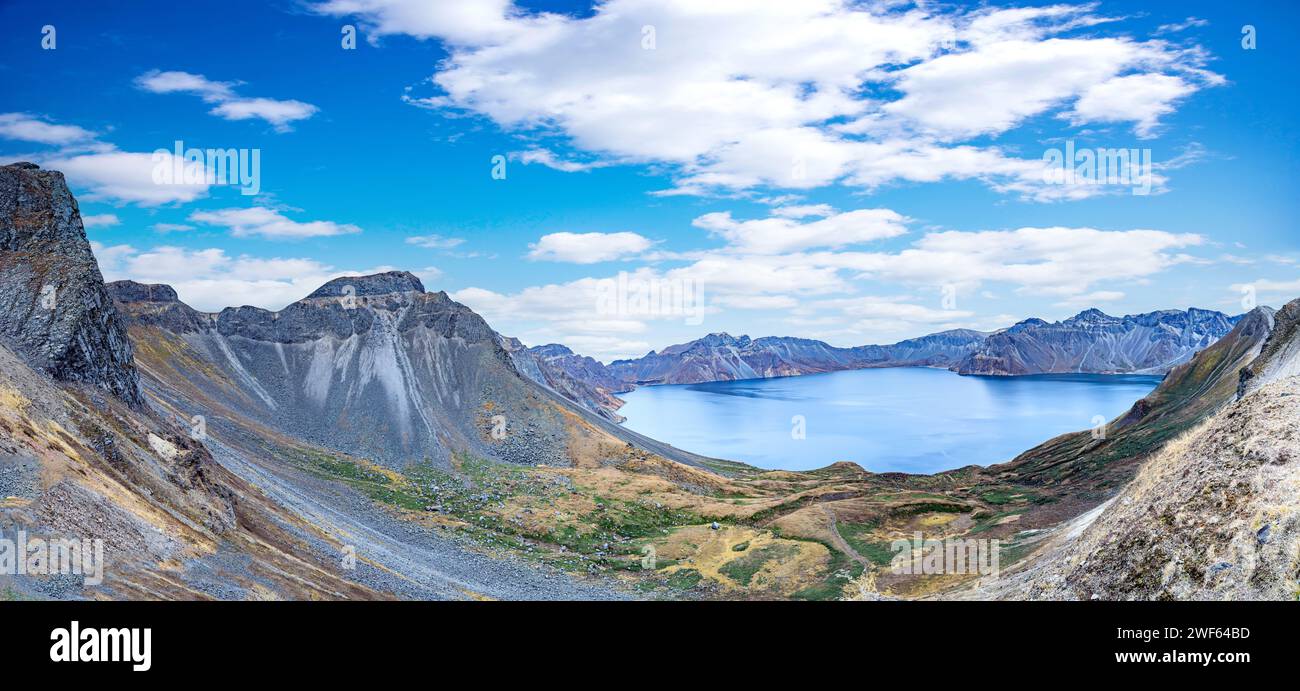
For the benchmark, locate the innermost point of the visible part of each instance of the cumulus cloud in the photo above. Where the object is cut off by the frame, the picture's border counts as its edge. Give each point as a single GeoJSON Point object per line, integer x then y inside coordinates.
{"type": "Point", "coordinates": [211, 280]}
{"type": "Point", "coordinates": [1277, 292]}
{"type": "Point", "coordinates": [1045, 261]}
{"type": "Point", "coordinates": [28, 128]}
{"type": "Point", "coordinates": [100, 220]}
{"type": "Point", "coordinates": [126, 176]}
{"type": "Point", "coordinates": [549, 159]}
{"type": "Point", "coordinates": [434, 242]}
{"type": "Point", "coordinates": [171, 227]}
{"type": "Point", "coordinates": [226, 103]}
{"type": "Point", "coordinates": [100, 168]}
{"type": "Point", "coordinates": [1091, 299]}
{"type": "Point", "coordinates": [813, 275]}
{"type": "Point", "coordinates": [781, 233]}
{"type": "Point", "coordinates": [1139, 98]}
{"type": "Point", "coordinates": [270, 224]}
{"type": "Point", "coordinates": [587, 248]}
{"type": "Point", "coordinates": [736, 95]}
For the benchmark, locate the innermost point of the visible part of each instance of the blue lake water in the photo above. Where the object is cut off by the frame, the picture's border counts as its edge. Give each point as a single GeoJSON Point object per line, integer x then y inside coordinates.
{"type": "Point", "coordinates": [907, 419]}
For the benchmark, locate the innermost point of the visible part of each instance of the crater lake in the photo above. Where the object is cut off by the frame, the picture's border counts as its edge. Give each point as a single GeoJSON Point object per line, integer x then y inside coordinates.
{"type": "Point", "coordinates": [905, 419]}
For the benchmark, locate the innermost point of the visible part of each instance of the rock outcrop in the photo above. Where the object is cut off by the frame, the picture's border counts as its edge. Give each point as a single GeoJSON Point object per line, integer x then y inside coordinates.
{"type": "Point", "coordinates": [54, 310]}
{"type": "Point", "coordinates": [1089, 463]}
{"type": "Point", "coordinates": [1280, 356]}
{"type": "Point", "coordinates": [1213, 515]}
{"type": "Point", "coordinates": [580, 379]}
{"type": "Point", "coordinates": [372, 366]}
{"type": "Point", "coordinates": [1093, 341]}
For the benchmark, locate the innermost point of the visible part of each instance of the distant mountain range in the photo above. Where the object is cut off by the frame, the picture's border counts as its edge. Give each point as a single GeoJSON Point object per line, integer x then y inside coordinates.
{"type": "Point", "coordinates": [722, 357]}
{"type": "Point", "coordinates": [1089, 342]}
{"type": "Point", "coordinates": [1092, 341]}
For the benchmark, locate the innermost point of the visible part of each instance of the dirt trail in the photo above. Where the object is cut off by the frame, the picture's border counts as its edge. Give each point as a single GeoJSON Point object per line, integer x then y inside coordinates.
{"type": "Point", "coordinates": [840, 543]}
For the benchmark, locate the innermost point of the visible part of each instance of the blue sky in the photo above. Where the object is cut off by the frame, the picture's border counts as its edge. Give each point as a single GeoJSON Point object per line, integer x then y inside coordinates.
{"type": "Point", "coordinates": [850, 172]}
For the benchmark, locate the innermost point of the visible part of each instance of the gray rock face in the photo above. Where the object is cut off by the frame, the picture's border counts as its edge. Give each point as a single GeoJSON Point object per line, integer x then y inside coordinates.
{"type": "Point", "coordinates": [580, 379]}
{"type": "Point", "coordinates": [55, 311]}
{"type": "Point", "coordinates": [1093, 341]}
{"type": "Point", "coordinates": [1280, 356]}
{"type": "Point", "coordinates": [375, 284]}
{"type": "Point", "coordinates": [1213, 515]}
{"type": "Point", "coordinates": [384, 371]}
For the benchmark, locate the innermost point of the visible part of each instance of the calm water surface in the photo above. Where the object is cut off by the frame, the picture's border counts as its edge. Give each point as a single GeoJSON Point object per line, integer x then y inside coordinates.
{"type": "Point", "coordinates": [908, 419]}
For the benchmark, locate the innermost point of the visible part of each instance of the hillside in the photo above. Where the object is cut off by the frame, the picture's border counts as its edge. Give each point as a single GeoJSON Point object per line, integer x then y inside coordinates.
{"type": "Point", "coordinates": [1213, 515]}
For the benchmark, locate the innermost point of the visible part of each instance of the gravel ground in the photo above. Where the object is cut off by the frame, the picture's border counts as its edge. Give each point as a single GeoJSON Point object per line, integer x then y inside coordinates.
{"type": "Point", "coordinates": [417, 563]}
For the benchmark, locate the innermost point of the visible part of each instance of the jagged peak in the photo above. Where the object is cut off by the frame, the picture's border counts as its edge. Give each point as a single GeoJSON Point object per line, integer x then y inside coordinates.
{"type": "Point", "coordinates": [1092, 314]}
{"type": "Point", "coordinates": [131, 291]}
{"type": "Point", "coordinates": [551, 350]}
{"type": "Point", "coordinates": [1030, 323]}
{"type": "Point", "coordinates": [373, 284]}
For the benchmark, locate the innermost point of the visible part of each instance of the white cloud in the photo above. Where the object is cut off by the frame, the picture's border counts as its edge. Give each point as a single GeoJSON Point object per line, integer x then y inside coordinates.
{"type": "Point", "coordinates": [160, 82]}
{"type": "Point", "coordinates": [1046, 261]}
{"type": "Point", "coordinates": [434, 242]}
{"type": "Point", "coordinates": [210, 280]}
{"type": "Point", "coordinates": [105, 172]}
{"type": "Point", "coordinates": [1092, 299]}
{"type": "Point", "coordinates": [171, 227]}
{"type": "Point", "coordinates": [735, 95]}
{"type": "Point", "coordinates": [458, 21]}
{"type": "Point", "coordinates": [278, 113]}
{"type": "Point", "coordinates": [994, 88]}
{"type": "Point", "coordinates": [124, 176]}
{"type": "Point", "coordinates": [818, 290]}
{"type": "Point", "coordinates": [780, 234]}
{"type": "Point", "coordinates": [587, 248]}
{"type": "Point", "coordinates": [28, 128]}
{"type": "Point", "coordinates": [1139, 98]}
{"type": "Point", "coordinates": [1189, 23]}
{"type": "Point", "coordinates": [269, 224]}
{"type": "Point", "coordinates": [1267, 290]}
{"type": "Point", "coordinates": [880, 319]}
{"type": "Point", "coordinates": [227, 104]}
{"type": "Point", "coordinates": [100, 220]}
{"type": "Point", "coordinates": [549, 159]}
{"type": "Point", "coordinates": [804, 211]}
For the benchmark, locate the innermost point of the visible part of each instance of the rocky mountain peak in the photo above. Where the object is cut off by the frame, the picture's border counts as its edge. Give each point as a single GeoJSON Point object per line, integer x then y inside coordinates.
{"type": "Point", "coordinates": [374, 284]}
{"type": "Point", "coordinates": [131, 291]}
{"type": "Point", "coordinates": [55, 311]}
{"type": "Point", "coordinates": [1030, 323]}
{"type": "Point", "coordinates": [551, 350]}
{"type": "Point", "coordinates": [1092, 315]}
{"type": "Point", "coordinates": [1279, 357]}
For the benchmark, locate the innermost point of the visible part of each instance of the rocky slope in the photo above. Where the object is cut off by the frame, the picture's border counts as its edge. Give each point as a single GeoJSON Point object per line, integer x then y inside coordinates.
{"type": "Point", "coordinates": [1092, 341]}
{"type": "Point", "coordinates": [207, 489]}
{"type": "Point", "coordinates": [1091, 463]}
{"type": "Point", "coordinates": [1212, 515]}
{"type": "Point", "coordinates": [54, 311]}
{"type": "Point", "coordinates": [371, 366]}
{"type": "Point", "coordinates": [580, 379]}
